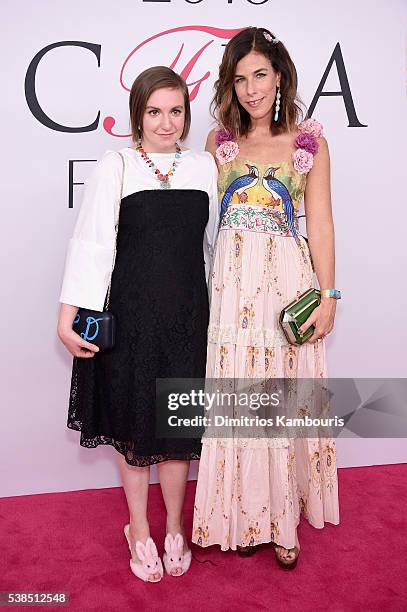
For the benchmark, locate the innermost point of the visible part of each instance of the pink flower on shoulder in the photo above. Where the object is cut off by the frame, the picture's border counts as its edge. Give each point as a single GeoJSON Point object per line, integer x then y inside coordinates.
{"type": "Point", "coordinates": [227, 151]}
{"type": "Point", "coordinates": [311, 126]}
{"type": "Point", "coordinates": [223, 135]}
{"type": "Point", "coordinates": [308, 142]}
{"type": "Point", "coordinates": [303, 161]}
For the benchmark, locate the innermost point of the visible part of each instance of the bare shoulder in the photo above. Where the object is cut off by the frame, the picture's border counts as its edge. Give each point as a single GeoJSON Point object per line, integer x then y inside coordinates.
{"type": "Point", "coordinates": [211, 142]}
{"type": "Point", "coordinates": [323, 145]}
{"type": "Point", "coordinates": [322, 156]}
{"type": "Point", "coordinates": [321, 167]}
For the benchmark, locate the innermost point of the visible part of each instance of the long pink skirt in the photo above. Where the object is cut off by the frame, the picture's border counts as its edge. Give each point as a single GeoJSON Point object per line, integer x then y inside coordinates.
{"type": "Point", "coordinates": [252, 490]}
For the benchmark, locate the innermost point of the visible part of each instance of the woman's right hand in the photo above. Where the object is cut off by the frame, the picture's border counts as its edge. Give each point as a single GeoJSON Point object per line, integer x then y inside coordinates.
{"type": "Point", "coordinates": [77, 346]}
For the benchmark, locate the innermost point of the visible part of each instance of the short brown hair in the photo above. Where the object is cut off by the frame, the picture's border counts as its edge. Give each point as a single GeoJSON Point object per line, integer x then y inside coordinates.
{"type": "Point", "coordinates": [225, 105]}
{"type": "Point", "coordinates": [147, 82]}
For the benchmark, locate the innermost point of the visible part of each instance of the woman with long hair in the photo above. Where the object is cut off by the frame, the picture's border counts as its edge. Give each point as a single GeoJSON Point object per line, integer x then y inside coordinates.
{"type": "Point", "coordinates": [162, 201]}
{"type": "Point", "coordinates": [252, 488]}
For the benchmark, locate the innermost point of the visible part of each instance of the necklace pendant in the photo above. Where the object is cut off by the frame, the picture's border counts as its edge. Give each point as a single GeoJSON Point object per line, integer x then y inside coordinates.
{"type": "Point", "coordinates": [163, 179]}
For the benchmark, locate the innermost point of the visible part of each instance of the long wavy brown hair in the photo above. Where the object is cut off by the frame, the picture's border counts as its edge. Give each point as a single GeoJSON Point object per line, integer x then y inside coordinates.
{"type": "Point", "coordinates": [225, 106]}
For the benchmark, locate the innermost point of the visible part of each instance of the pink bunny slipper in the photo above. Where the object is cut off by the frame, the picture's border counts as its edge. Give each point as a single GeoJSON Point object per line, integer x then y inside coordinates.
{"type": "Point", "coordinates": [148, 555]}
{"type": "Point", "coordinates": [176, 562]}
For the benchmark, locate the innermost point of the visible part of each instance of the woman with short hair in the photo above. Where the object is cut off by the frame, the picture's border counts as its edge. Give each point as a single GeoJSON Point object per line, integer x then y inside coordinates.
{"type": "Point", "coordinates": [163, 200]}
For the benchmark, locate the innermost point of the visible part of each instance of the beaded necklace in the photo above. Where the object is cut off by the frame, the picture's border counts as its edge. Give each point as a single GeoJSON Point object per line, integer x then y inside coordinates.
{"type": "Point", "coordinates": [163, 179]}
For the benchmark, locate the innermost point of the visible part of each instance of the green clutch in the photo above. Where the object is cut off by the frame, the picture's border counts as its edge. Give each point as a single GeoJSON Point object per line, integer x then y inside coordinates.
{"type": "Point", "coordinates": [296, 313]}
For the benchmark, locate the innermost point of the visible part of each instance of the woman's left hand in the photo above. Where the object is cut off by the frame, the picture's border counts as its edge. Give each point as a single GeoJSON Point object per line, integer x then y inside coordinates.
{"type": "Point", "coordinates": [323, 318]}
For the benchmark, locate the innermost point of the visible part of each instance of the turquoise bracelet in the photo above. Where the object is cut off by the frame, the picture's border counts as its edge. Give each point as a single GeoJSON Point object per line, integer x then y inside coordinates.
{"type": "Point", "coordinates": [332, 293]}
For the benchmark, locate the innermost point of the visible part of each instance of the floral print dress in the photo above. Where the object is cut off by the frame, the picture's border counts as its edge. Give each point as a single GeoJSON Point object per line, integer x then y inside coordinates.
{"type": "Point", "coordinates": [253, 490]}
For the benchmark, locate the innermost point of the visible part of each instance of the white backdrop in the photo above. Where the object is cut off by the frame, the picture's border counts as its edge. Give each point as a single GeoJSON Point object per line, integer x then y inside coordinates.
{"type": "Point", "coordinates": [38, 453]}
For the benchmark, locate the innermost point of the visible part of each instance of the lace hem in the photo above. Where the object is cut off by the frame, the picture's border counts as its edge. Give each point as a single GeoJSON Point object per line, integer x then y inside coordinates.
{"type": "Point", "coordinates": [256, 337]}
{"type": "Point", "coordinates": [127, 450]}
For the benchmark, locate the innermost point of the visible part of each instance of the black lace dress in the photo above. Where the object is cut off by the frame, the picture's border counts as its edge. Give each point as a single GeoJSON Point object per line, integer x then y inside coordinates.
{"type": "Point", "coordinates": [159, 297]}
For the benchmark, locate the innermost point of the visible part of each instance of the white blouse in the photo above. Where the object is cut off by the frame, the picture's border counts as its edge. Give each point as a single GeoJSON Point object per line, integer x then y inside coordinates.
{"type": "Point", "coordinates": [91, 249]}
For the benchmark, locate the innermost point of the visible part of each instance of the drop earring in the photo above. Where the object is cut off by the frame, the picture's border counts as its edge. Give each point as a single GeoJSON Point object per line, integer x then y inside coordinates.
{"type": "Point", "coordinates": [278, 98]}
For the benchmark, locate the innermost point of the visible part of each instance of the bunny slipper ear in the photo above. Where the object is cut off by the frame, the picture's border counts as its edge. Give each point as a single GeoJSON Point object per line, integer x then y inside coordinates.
{"type": "Point", "coordinates": [168, 543]}
{"type": "Point", "coordinates": [141, 551]}
{"type": "Point", "coordinates": [151, 547]}
{"type": "Point", "coordinates": [179, 542]}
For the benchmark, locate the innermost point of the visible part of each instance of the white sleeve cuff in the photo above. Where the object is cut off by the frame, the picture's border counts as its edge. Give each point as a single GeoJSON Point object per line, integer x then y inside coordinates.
{"type": "Point", "coordinates": [87, 273]}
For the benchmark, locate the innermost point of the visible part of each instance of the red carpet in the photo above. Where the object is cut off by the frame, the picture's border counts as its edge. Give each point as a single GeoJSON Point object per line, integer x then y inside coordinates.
{"type": "Point", "coordinates": [74, 542]}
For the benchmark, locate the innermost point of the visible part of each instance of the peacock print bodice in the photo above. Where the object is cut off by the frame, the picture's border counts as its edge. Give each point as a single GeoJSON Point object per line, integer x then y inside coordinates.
{"type": "Point", "coordinates": [260, 197]}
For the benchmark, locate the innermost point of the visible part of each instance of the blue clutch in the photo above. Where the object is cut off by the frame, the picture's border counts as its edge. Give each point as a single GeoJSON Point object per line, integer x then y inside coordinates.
{"type": "Point", "coordinates": [96, 327]}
